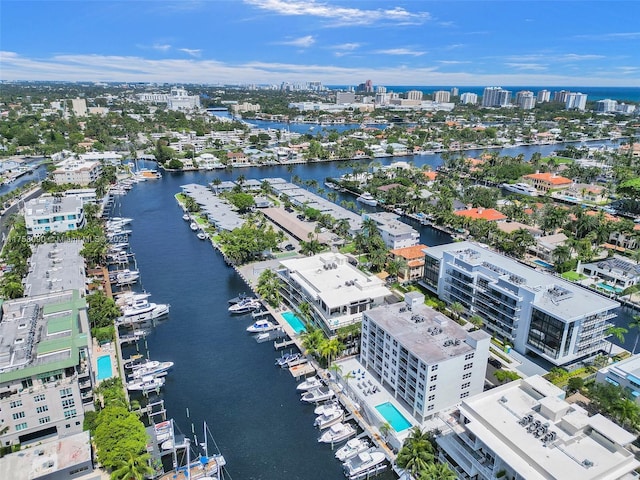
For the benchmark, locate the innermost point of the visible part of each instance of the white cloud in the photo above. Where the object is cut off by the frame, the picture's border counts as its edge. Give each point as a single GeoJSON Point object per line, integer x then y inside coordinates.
{"type": "Point", "coordinates": [341, 15]}
{"type": "Point", "coordinates": [574, 57]}
{"type": "Point", "coordinates": [162, 47]}
{"type": "Point", "coordinates": [612, 36]}
{"type": "Point", "coordinates": [347, 46]}
{"type": "Point", "coordinates": [453, 62]}
{"type": "Point", "coordinates": [305, 41]}
{"type": "Point", "coordinates": [536, 67]}
{"type": "Point", "coordinates": [400, 51]}
{"type": "Point", "coordinates": [190, 70]}
{"type": "Point", "coordinates": [194, 52]}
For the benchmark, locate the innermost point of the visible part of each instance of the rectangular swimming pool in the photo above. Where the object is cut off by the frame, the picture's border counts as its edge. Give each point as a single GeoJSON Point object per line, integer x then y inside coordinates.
{"type": "Point", "coordinates": [543, 264]}
{"type": "Point", "coordinates": [104, 367]}
{"type": "Point", "coordinates": [294, 322]}
{"type": "Point", "coordinates": [392, 415]}
{"type": "Point", "coordinates": [609, 288]}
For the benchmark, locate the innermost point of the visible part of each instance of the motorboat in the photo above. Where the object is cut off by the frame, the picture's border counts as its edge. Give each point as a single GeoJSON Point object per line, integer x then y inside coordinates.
{"type": "Point", "coordinates": [133, 361]}
{"type": "Point", "coordinates": [329, 417]}
{"type": "Point", "coordinates": [125, 299]}
{"type": "Point", "coordinates": [126, 277]}
{"type": "Point", "coordinates": [367, 199]}
{"type": "Point", "coordinates": [171, 444]}
{"type": "Point", "coordinates": [245, 306]}
{"type": "Point", "coordinates": [352, 448]}
{"type": "Point", "coordinates": [202, 235]}
{"type": "Point", "coordinates": [145, 384]}
{"type": "Point", "coordinates": [295, 359]}
{"type": "Point", "coordinates": [186, 217]}
{"type": "Point", "coordinates": [337, 433]}
{"type": "Point", "coordinates": [286, 358]}
{"type": "Point", "coordinates": [151, 368]}
{"type": "Point", "coordinates": [238, 299]}
{"type": "Point", "coordinates": [309, 384]}
{"type": "Point", "coordinates": [193, 226]}
{"type": "Point", "coordinates": [261, 326]}
{"type": "Point", "coordinates": [521, 188]}
{"type": "Point", "coordinates": [163, 431]}
{"type": "Point", "coordinates": [120, 220]}
{"type": "Point", "coordinates": [323, 407]}
{"type": "Point", "coordinates": [142, 310]}
{"type": "Point", "coordinates": [363, 463]}
{"type": "Point", "coordinates": [316, 395]}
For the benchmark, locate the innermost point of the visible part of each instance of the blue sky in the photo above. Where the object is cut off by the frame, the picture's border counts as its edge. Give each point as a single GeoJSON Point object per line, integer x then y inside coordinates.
{"type": "Point", "coordinates": [336, 42]}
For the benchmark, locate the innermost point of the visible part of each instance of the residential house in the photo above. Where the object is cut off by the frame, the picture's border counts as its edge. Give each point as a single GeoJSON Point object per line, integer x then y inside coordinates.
{"type": "Point", "coordinates": [544, 182]}
{"type": "Point", "coordinates": [617, 272]}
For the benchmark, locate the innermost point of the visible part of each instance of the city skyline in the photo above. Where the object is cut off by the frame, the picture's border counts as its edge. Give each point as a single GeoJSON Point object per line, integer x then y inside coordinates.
{"type": "Point", "coordinates": [463, 43]}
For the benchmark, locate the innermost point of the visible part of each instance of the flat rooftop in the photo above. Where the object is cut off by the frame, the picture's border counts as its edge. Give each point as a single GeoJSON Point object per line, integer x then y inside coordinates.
{"type": "Point", "coordinates": [582, 447]}
{"type": "Point", "coordinates": [334, 280]}
{"type": "Point", "coordinates": [56, 267]}
{"type": "Point", "coordinates": [47, 205]}
{"type": "Point", "coordinates": [426, 333]}
{"type": "Point", "coordinates": [47, 457]}
{"type": "Point", "coordinates": [554, 295]}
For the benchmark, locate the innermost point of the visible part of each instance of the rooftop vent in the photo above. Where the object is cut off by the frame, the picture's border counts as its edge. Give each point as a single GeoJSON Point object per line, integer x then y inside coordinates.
{"type": "Point", "coordinates": [587, 463]}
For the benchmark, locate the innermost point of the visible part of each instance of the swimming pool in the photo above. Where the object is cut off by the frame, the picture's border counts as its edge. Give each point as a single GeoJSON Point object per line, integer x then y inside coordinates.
{"type": "Point", "coordinates": [609, 288]}
{"type": "Point", "coordinates": [104, 367]}
{"type": "Point", "coordinates": [294, 321]}
{"type": "Point", "coordinates": [392, 415]}
{"type": "Point", "coordinates": [543, 264]}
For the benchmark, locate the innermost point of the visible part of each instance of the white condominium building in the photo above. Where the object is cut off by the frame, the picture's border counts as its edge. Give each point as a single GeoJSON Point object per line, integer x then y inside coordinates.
{"type": "Point", "coordinates": [534, 311]}
{"type": "Point", "coordinates": [495, 97]}
{"type": "Point", "coordinates": [526, 430]}
{"type": "Point", "coordinates": [576, 101]}
{"type": "Point", "coordinates": [468, 98]}
{"type": "Point", "coordinates": [396, 234]}
{"type": "Point", "coordinates": [425, 359]}
{"type": "Point", "coordinates": [543, 96]}
{"type": "Point", "coordinates": [77, 171]}
{"type": "Point", "coordinates": [441, 96]}
{"type": "Point", "coordinates": [525, 100]}
{"type": "Point", "coordinates": [625, 374]}
{"type": "Point", "coordinates": [45, 375]}
{"type": "Point", "coordinates": [336, 291]}
{"type": "Point", "coordinates": [179, 99]}
{"type": "Point", "coordinates": [53, 214]}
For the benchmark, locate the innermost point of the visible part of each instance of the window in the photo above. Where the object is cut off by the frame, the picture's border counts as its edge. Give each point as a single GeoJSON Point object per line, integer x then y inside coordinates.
{"type": "Point", "coordinates": [430, 407]}
{"type": "Point", "coordinates": [21, 426]}
{"type": "Point", "coordinates": [468, 366]}
{"type": "Point", "coordinates": [42, 409]}
{"type": "Point", "coordinates": [431, 398]}
{"type": "Point", "coordinates": [464, 395]}
{"type": "Point", "coordinates": [434, 368]}
{"type": "Point", "coordinates": [465, 385]}
{"type": "Point", "coordinates": [18, 415]}
{"type": "Point", "coordinates": [469, 356]}
{"type": "Point", "coordinates": [66, 392]}
{"type": "Point", "coordinates": [432, 388]}
{"type": "Point", "coordinates": [433, 378]}
{"type": "Point", "coordinates": [68, 403]}
{"type": "Point", "coordinates": [78, 470]}
{"type": "Point", "coordinates": [44, 420]}
{"type": "Point", "coordinates": [70, 413]}
{"type": "Point", "coordinates": [466, 375]}
{"type": "Point", "coordinates": [15, 403]}
{"type": "Point", "coordinates": [39, 398]}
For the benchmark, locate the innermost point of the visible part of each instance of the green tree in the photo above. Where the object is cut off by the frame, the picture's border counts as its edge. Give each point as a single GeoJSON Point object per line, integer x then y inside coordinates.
{"type": "Point", "coordinates": [456, 309]}
{"type": "Point", "coordinates": [416, 452]}
{"type": "Point", "coordinates": [269, 285]}
{"type": "Point", "coordinates": [618, 333]}
{"type": "Point", "coordinates": [135, 467]}
{"type": "Point", "coordinates": [437, 471]}
{"type": "Point", "coordinates": [119, 434]}
{"type": "Point", "coordinates": [506, 375]}
{"type": "Point", "coordinates": [634, 324]}
{"type": "Point", "coordinates": [242, 201]}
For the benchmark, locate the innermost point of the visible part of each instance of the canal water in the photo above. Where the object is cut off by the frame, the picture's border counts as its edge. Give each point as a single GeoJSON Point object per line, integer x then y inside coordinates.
{"type": "Point", "coordinates": [221, 375]}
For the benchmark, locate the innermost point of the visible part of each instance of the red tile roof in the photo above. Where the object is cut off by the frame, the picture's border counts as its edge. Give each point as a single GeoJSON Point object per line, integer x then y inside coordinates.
{"type": "Point", "coordinates": [410, 253]}
{"type": "Point", "coordinates": [549, 177]}
{"type": "Point", "coordinates": [489, 214]}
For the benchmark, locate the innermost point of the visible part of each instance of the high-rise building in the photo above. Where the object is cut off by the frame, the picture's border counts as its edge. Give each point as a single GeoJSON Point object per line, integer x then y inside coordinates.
{"type": "Point", "coordinates": [544, 96]}
{"type": "Point", "coordinates": [561, 96]}
{"type": "Point", "coordinates": [423, 357]}
{"type": "Point", "coordinates": [576, 101]}
{"type": "Point", "coordinates": [368, 86]}
{"type": "Point", "coordinates": [606, 105]}
{"type": "Point", "coordinates": [441, 96]}
{"type": "Point", "coordinates": [469, 98]}
{"type": "Point", "coordinates": [179, 99]}
{"type": "Point", "coordinates": [525, 100]}
{"type": "Point", "coordinates": [455, 92]}
{"type": "Point", "coordinates": [414, 95]}
{"type": "Point", "coordinates": [79, 107]}
{"type": "Point", "coordinates": [495, 97]}
{"type": "Point", "coordinates": [381, 89]}
{"type": "Point", "coordinates": [533, 311]}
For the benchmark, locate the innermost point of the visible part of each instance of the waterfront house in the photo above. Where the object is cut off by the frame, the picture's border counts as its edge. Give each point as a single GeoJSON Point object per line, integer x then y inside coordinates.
{"type": "Point", "coordinates": [237, 158]}
{"type": "Point", "coordinates": [526, 429]}
{"type": "Point", "coordinates": [545, 247]}
{"type": "Point", "coordinates": [618, 272]}
{"type": "Point", "coordinates": [544, 182]}
{"type": "Point", "coordinates": [336, 291]}
{"type": "Point", "coordinates": [395, 234]}
{"type": "Point", "coordinates": [426, 360]}
{"type": "Point", "coordinates": [480, 213]}
{"type": "Point", "coordinates": [625, 374]}
{"type": "Point", "coordinates": [534, 311]}
{"type": "Point", "coordinates": [47, 214]}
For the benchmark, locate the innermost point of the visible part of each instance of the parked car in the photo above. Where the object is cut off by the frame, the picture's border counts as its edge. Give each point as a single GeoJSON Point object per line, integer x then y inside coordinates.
{"type": "Point", "coordinates": [289, 247]}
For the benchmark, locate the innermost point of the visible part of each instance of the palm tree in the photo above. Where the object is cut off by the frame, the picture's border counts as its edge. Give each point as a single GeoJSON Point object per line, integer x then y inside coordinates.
{"type": "Point", "coordinates": [456, 309]}
{"type": "Point", "coordinates": [331, 349]}
{"type": "Point", "coordinates": [477, 321]}
{"type": "Point", "coordinates": [617, 332]}
{"type": "Point", "coordinates": [416, 453]}
{"type": "Point", "coordinates": [136, 467]}
{"type": "Point", "coordinates": [437, 471]}
{"type": "Point", "coordinates": [561, 254]}
{"type": "Point", "coordinates": [635, 324]}
{"type": "Point", "coordinates": [312, 339]}
{"type": "Point", "coordinates": [268, 287]}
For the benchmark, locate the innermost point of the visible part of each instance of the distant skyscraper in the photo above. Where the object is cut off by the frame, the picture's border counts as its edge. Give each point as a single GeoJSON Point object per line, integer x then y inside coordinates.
{"type": "Point", "coordinates": [606, 105]}
{"type": "Point", "coordinates": [495, 97]}
{"type": "Point", "coordinates": [469, 98]}
{"type": "Point", "coordinates": [576, 101]}
{"type": "Point", "coordinates": [544, 96]}
{"type": "Point", "coordinates": [561, 96]}
{"type": "Point", "coordinates": [368, 86]}
{"type": "Point", "coordinates": [525, 99]}
{"type": "Point", "coordinates": [414, 95]}
{"type": "Point", "coordinates": [441, 96]}
{"type": "Point", "coordinates": [454, 92]}
{"type": "Point", "coordinates": [381, 89]}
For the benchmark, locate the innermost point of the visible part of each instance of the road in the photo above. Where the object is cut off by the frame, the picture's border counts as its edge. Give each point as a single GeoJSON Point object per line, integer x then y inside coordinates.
{"type": "Point", "coordinates": [14, 208]}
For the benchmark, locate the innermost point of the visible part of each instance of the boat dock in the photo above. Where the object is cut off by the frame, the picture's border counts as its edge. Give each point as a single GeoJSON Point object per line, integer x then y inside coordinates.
{"type": "Point", "coordinates": [302, 370]}
{"type": "Point", "coordinates": [284, 344]}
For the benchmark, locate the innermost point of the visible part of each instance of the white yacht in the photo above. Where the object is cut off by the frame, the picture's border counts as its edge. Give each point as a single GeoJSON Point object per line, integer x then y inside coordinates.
{"type": "Point", "coordinates": [309, 383]}
{"type": "Point", "coordinates": [364, 463]}
{"type": "Point", "coordinates": [352, 448]}
{"type": "Point", "coordinates": [329, 417]}
{"type": "Point", "coordinates": [261, 326]}
{"type": "Point", "coordinates": [245, 306]}
{"type": "Point", "coordinates": [151, 368]}
{"type": "Point", "coordinates": [521, 188]}
{"type": "Point", "coordinates": [193, 226]}
{"type": "Point", "coordinates": [367, 199]}
{"type": "Point", "coordinates": [145, 384]}
{"type": "Point", "coordinates": [316, 395]}
{"type": "Point", "coordinates": [337, 433]}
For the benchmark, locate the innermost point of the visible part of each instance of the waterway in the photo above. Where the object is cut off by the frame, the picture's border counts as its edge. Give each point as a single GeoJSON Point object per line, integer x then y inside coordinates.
{"type": "Point", "coordinates": [221, 375]}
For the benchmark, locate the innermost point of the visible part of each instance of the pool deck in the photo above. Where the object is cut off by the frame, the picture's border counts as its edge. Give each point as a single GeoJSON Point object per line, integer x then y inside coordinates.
{"type": "Point", "coordinates": [101, 351]}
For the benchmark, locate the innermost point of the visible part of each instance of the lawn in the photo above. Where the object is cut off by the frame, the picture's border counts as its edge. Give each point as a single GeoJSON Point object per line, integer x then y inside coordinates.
{"type": "Point", "coordinates": [573, 276]}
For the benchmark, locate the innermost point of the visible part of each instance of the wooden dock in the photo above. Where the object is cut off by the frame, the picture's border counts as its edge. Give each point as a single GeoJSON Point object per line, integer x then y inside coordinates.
{"type": "Point", "coordinates": [283, 344]}
{"type": "Point", "coordinates": [302, 370]}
